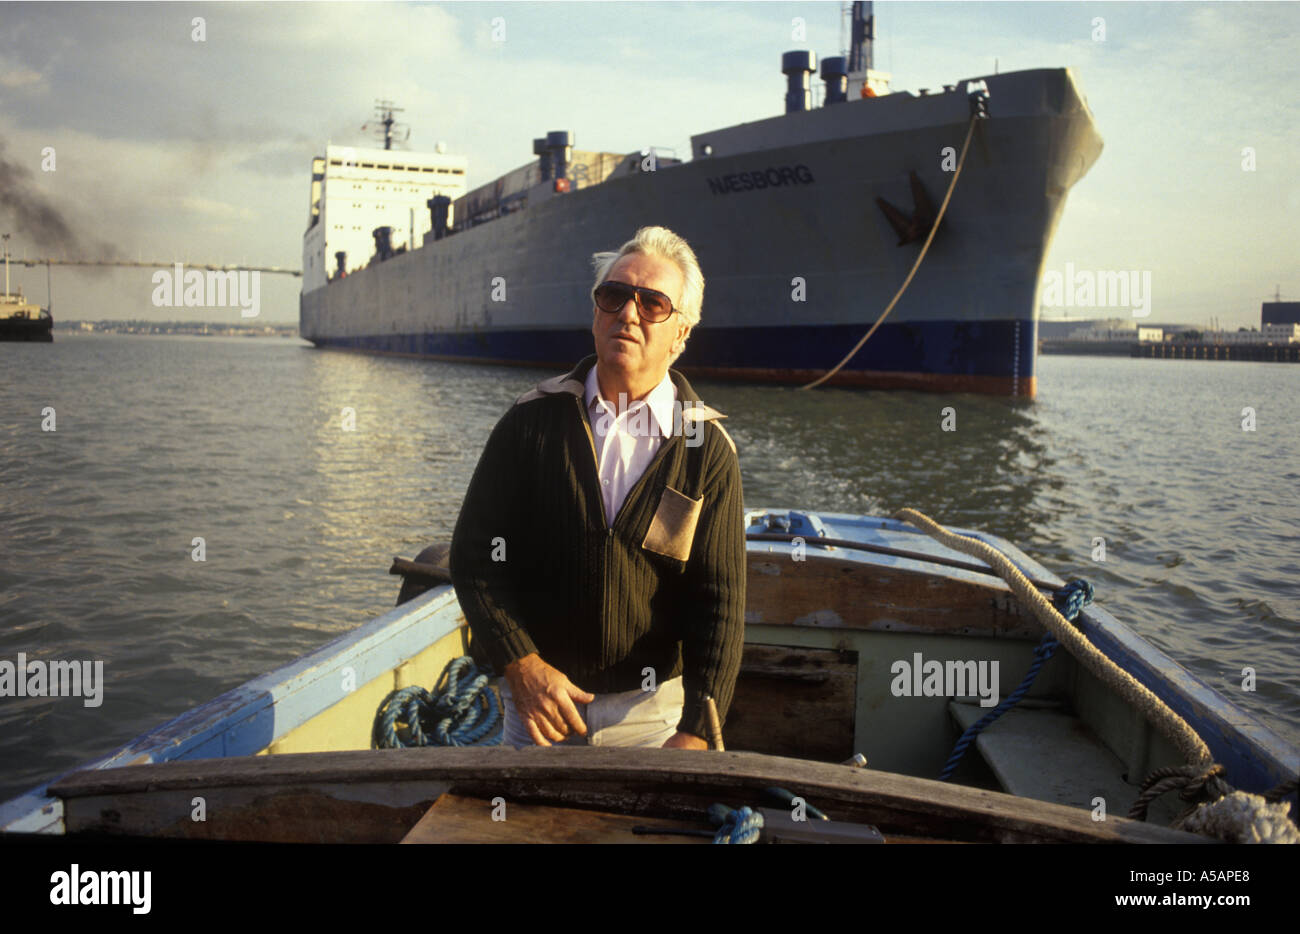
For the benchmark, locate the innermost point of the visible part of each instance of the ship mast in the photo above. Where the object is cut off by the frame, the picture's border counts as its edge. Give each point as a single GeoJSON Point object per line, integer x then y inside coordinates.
{"type": "Point", "coordinates": [384, 111]}
{"type": "Point", "coordinates": [6, 239]}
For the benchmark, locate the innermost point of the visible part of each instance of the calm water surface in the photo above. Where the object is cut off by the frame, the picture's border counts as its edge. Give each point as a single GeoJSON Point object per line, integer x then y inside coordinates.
{"type": "Point", "coordinates": [239, 441]}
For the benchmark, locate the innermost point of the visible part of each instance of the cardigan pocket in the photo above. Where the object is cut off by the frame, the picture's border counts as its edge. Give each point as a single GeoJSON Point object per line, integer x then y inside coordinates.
{"type": "Point", "coordinates": [672, 529]}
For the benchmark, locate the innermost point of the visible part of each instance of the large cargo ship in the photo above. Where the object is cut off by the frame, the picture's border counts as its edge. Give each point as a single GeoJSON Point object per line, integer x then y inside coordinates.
{"type": "Point", "coordinates": [805, 224]}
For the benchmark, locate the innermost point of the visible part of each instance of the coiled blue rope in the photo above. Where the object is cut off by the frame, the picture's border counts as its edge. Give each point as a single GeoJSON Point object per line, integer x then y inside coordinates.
{"type": "Point", "coordinates": [1069, 600]}
{"type": "Point", "coordinates": [461, 711]}
{"type": "Point", "coordinates": [742, 825]}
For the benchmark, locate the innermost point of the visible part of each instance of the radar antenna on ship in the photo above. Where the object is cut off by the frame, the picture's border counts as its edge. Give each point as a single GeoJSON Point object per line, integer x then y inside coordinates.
{"type": "Point", "coordinates": [383, 125]}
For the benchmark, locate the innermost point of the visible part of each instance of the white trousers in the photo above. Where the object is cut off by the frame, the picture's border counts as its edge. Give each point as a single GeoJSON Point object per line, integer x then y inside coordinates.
{"type": "Point", "coordinates": [631, 718]}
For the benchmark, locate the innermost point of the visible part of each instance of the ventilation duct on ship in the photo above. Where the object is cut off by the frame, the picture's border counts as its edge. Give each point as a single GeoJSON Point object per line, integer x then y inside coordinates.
{"type": "Point", "coordinates": [797, 66]}
{"type": "Point", "coordinates": [560, 144]}
{"type": "Point", "coordinates": [438, 208]}
{"type": "Point", "coordinates": [341, 258]}
{"type": "Point", "coordinates": [544, 156]}
{"type": "Point", "coordinates": [835, 72]}
{"type": "Point", "coordinates": [383, 242]}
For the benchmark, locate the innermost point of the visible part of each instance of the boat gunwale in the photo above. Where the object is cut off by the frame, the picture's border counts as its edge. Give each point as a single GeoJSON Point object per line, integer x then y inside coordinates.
{"type": "Point", "coordinates": [582, 775]}
{"type": "Point", "coordinates": [1225, 727]}
{"type": "Point", "coordinates": [218, 722]}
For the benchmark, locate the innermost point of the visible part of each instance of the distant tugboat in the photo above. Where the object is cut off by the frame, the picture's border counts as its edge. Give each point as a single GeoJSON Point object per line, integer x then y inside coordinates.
{"type": "Point", "coordinates": [21, 320]}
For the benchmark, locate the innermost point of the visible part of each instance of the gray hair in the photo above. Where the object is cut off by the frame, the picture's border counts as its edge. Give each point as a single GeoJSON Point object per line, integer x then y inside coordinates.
{"type": "Point", "coordinates": [661, 242]}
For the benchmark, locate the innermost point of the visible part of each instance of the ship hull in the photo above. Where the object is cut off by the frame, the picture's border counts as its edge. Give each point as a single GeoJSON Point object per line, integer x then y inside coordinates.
{"type": "Point", "coordinates": [35, 330]}
{"type": "Point", "coordinates": [920, 355]}
{"type": "Point", "coordinates": [798, 259]}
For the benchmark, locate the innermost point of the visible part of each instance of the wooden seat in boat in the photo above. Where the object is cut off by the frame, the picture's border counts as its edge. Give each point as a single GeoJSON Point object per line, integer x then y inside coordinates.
{"type": "Point", "coordinates": [1048, 755]}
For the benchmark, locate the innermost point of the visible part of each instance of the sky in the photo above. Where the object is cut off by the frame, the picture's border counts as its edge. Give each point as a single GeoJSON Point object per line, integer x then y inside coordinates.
{"type": "Point", "coordinates": [169, 149]}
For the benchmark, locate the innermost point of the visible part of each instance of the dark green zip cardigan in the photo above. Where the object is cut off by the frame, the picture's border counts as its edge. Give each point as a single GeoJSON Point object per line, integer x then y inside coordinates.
{"type": "Point", "coordinates": [664, 588]}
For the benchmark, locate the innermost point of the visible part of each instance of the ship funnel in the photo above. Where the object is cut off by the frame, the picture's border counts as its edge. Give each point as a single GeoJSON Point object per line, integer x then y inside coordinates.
{"type": "Point", "coordinates": [438, 207]}
{"type": "Point", "coordinates": [797, 66]}
{"type": "Point", "coordinates": [835, 72]}
{"type": "Point", "coordinates": [341, 258]}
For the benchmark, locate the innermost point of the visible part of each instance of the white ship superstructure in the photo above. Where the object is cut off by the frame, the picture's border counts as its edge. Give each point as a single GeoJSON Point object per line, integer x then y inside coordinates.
{"type": "Point", "coordinates": [356, 190]}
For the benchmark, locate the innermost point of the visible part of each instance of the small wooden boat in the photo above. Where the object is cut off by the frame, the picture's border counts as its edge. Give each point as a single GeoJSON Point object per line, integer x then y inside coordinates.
{"type": "Point", "coordinates": [844, 613]}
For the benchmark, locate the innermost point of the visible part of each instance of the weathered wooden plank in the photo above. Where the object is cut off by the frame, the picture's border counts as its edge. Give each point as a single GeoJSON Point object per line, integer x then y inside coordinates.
{"type": "Point", "coordinates": [658, 782]}
{"type": "Point", "coordinates": [256, 814]}
{"type": "Point", "coordinates": [940, 560]}
{"type": "Point", "coordinates": [842, 593]}
{"type": "Point", "coordinates": [794, 701]}
{"type": "Point", "coordinates": [459, 819]}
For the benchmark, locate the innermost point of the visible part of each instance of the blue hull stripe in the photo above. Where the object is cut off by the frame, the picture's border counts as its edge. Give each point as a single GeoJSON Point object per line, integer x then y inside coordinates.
{"type": "Point", "coordinates": [984, 348]}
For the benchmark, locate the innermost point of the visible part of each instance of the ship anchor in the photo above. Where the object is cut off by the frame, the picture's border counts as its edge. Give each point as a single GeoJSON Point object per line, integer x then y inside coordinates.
{"type": "Point", "coordinates": [916, 226]}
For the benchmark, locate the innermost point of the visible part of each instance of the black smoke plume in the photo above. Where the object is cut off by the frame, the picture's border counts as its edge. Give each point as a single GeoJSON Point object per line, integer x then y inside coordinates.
{"type": "Point", "coordinates": [38, 221]}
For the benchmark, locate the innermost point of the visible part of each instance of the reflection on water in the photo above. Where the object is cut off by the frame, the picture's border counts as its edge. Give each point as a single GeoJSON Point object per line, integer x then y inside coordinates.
{"type": "Point", "coordinates": [877, 452]}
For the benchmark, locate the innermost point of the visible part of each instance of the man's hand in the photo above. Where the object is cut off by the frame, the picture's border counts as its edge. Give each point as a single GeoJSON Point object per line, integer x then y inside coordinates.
{"type": "Point", "coordinates": [544, 699]}
{"type": "Point", "coordinates": [680, 740]}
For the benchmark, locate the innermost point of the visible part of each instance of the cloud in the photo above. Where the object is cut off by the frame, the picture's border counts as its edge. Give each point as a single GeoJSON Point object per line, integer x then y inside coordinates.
{"type": "Point", "coordinates": [19, 78]}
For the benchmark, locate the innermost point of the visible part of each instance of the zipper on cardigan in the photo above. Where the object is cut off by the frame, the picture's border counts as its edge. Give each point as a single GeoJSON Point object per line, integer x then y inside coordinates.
{"type": "Point", "coordinates": [595, 462]}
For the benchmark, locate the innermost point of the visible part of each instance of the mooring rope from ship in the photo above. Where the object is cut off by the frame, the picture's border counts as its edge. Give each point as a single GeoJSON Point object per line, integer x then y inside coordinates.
{"type": "Point", "coordinates": [1217, 809]}
{"type": "Point", "coordinates": [977, 114]}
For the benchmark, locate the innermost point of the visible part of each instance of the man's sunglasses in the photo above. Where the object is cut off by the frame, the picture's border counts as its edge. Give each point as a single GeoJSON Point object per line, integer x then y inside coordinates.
{"type": "Point", "coordinates": [651, 305]}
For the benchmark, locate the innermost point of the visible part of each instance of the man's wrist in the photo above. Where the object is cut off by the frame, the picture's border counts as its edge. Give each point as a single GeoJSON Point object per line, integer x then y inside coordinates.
{"type": "Point", "coordinates": [521, 662]}
{"type": "Point", "coordinates": [515, 670]}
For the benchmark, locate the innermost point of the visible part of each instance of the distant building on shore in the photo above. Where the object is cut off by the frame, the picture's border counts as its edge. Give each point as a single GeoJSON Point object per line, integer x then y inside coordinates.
{"type": "Point", "coordinates": [1124, 330]}
{"type": "Point", "coordinates": [1268, 334]}
{"type": "Point", "coordinates": [1279, 313]}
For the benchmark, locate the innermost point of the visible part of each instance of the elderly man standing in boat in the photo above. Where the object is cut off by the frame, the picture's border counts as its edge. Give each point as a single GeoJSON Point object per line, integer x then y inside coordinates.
{"type": "Point", "coordinates": [599, 556]}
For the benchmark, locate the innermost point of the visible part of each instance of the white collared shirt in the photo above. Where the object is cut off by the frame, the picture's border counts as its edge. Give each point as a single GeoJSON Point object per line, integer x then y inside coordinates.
{"type": "Point", "coordinates": [627, 443]}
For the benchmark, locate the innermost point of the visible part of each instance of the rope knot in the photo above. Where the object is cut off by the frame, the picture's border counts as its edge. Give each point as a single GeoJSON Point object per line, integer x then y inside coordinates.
{"type": "Point", "coordinates": [742, 825]}
{"type": "Point", "coordinates": [1205, 784]}
{"type": "Point", "coordinates": [1072, 598]}
{"type": "Point", "coordinates": [1194, 783]}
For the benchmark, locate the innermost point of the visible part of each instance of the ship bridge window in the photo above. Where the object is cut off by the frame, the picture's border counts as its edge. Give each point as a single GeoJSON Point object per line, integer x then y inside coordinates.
{"type": "Point", "coordinates": [367, 165]}
{"type": "Point", "coordinates": [383, 166]}
{"type": "Point", "coordinates": [429, 168]}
